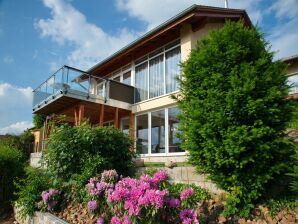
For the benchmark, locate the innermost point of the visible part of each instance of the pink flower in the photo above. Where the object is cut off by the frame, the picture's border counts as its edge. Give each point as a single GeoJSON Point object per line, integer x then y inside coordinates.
{"type": "Point", "coordinates": [174, 203]}
{"type": "Point", "coordinates": [160, 176]}
{"type": "Point", "coordinates": [188, 216]}
{"type": "Point", "coordinates": [109, 176]}
{"type": "Point", "coordinates": [100, 220]}
{"type": "Point", "coordinates": [186, 193]}
{"type": "Point", "coordinates": [92, 205]}
{"type": "Point", "coordinates": [126, 220]}
{"type": "Point", "coordinates": [115, 220]}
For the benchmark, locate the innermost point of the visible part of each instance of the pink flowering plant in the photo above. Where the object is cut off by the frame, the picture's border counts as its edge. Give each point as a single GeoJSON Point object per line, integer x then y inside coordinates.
{"type": "Point", "coordinates": [50, 200]}
{"type": "Point", "coordinates": [148, 199]}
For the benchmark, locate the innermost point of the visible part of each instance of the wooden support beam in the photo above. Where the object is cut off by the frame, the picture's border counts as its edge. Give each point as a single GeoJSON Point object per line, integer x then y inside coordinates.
{"type": "Point", "coordinates": [76, 116]}
{"type": "Point", "coordinates": [116, 118]}
{"type": "Point", "coordinates": [81, 111]}
{"type": "Point", "coordinates": [131, 125]}
{"type": "Point", "coordinates": [101, 114]}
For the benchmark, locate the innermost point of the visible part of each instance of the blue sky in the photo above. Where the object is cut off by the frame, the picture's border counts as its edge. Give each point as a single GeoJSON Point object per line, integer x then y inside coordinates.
{"type": "Point", "coordinates": [39, 36]}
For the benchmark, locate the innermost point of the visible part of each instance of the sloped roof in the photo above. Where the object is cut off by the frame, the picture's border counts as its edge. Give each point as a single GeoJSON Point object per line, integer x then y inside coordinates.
{"type": "Point", "coordinates": [192, 14]}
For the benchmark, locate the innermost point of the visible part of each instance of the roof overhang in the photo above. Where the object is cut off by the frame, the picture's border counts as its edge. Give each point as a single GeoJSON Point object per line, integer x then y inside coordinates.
{"type": "Point", "coordinates": [195, 15]}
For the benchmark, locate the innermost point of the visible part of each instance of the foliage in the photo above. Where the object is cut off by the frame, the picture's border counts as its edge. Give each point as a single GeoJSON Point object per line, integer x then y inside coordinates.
{"type": "Point", "coordinates": [275, 205]}
{"type": "Point", "coordinates": [50, 200]}
{"type": "Point", "coordinates": [294, 120]}
{"type": "Point", "coordinates": [294, 174]}
{"type": "Point", "coordinates": [23, 142]}
{"type": "Point", "coordinates": [233, 113]}
{"type": "Point", "coordinates": [29, 190]}
{"type": "Point", "coordinates": [75, 154]}
{"type": "Point", "coordinates": [144, 200]}
{"type": "Point", "coordinates": [11, 167]}
{"type": "Point", "coordinates": [38, 120]}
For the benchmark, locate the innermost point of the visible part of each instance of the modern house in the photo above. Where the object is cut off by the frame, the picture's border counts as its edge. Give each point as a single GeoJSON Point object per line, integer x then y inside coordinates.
{"type": "Point", "coordinates": [132, 88]}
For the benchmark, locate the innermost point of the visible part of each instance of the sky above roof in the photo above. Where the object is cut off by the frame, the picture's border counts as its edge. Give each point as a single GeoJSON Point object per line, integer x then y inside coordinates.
{"type": "Point", "coordinates": [39, 36]}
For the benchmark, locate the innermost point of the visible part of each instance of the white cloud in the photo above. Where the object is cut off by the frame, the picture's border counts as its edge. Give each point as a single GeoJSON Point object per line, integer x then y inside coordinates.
{"type": "Point", "coordinates": [8, 59]}
{"type": "Point", "coordinates": [154, 12]}
{"type": "Point", "coordinates": [15, 109]}
{"type": "Point", "coordinates": [284, 36]}
{"type": "Point", "coordinates": [16, 128]}
{"type": "Point", "coordinates": [91, 43]}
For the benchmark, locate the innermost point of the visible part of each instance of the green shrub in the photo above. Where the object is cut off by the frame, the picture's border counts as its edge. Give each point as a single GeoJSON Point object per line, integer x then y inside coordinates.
{"type": "Point", "coordinates": [82, 152]}
{"type": "Point", "coordinates": [234, 111]}
{"type": "Point", "coordinates": [294, 120]}
{"type": "Point", "coordinates": [23, 142]}
{"type": "Point", "coordinates": [11, 167]}
{"type": "Point", "coordinates": [38, 120]}
{"type": "Point", "coordinates": [294, 174]}
{"type": "Point", "coordinates": [29, 189]}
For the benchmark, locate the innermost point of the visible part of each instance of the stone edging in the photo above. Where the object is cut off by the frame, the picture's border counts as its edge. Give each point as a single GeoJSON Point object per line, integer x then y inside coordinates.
{"type": "Point", "coordinates": [39, 218]}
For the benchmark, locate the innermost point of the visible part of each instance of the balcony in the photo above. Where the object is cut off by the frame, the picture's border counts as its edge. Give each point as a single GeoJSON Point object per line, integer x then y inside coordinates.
{"type": "Point", "coordinates": [70, 86]}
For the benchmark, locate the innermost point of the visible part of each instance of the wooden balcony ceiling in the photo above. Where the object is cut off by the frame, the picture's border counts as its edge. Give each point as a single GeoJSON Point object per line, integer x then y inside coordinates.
{"type": "Point", "coordinates": [65, 105]}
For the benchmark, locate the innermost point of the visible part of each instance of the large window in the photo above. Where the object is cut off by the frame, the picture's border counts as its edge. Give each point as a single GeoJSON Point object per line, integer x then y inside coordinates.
{"type": "Point", "coordinates": [174, 141]}
{"type": "Point", "coordinates": [156, 78]}
{"type": "Point", "coordinates": [141, 82]}
{"type": "Point", "coordinates": [157, 132]}
{"type": "Point", "coordinates": [172, 69]}
{"type": "Point", "coordinates": [156, 74]}
{"type": "Point", "coordinates": [293, 82]}
{"type": "Point", "coordinates": [142, 133]}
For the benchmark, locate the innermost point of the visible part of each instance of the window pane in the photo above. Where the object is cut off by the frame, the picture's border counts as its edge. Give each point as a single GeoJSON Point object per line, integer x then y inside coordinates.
{"type": "Point", "coordinates": [172, 69]}
{"type": "Point", "coordinates": [127, 78]}
{"type": "Point", "coordinates": [117, 78]}
{"type": "Point", "coordinates": [125, 125]}
{"type": "Point", "coordinates": [100, 89]}
{"type": "Point", "coordinates": [174, 141]}
{"type": "Point", "coordinates": [158, 132]}
{"type": "Point", "coordinates": [293, 83]}
{"type": "Point", "coordinates": [141, 82]}
{"type": "Point", "coordinates": [142, 134]}
{"type": "Point", "coordinates": [156, 73]}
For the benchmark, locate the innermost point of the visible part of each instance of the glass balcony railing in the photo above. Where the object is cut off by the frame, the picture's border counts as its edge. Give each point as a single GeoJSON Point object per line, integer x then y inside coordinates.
{"type": "Point", "coordinates": [68, 79]}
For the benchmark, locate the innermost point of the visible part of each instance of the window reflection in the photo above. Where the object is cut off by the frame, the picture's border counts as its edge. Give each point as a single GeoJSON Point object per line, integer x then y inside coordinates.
{"type": "Point", "coordinates": [174, 141]}
{"type": "Point", "coordinates": [293, 83]}
{"type": "Point", "coordinates": [142, 133]}
{"type": "Point", "coordinates": [158, 132]}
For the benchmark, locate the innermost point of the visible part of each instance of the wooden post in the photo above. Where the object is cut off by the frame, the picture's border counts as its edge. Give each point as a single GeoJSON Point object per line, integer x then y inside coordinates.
{"type": "Point", "coordinates": [81, 113]}
{"type": "Point", "coordinates": [131, 125]}
{"type": "Point", "coordinates": [116, 118]}
{"type": "Point", "coordinates": [76, 116]}
{"type": "Point", "coordinates": [102, 114]}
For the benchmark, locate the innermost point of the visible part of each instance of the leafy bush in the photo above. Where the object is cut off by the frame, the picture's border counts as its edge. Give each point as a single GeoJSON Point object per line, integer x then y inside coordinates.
{"type": "Point", "coordinates": [144, 200]}
{"type": "Point", "coordinates": [11, 167]}
{"type": "Point", "coordinates": [38, 120]}
{"type": "Point", "coordinates": [22, 142]}
{"type": "Point", "coordinates": [234, 111]}
{"type": "Point", "coordinates": [294, 174]}
{"type": "Point", "coordinates": [29, 190]}
{"type": "Point", "coordinates": [78, 153]}
{"type": "Point", "coordinates": [294, 120]}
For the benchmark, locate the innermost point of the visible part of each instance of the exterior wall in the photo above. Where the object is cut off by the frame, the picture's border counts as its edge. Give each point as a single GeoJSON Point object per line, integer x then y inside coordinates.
{"type": "Point", "coordinates": [37, 140]}
{"type": "Point", "coordinates": [35, 159]}
{"type": "Point", "coordinates": [165, 159]}
{"type": "Point", "coordinates": [188, 175]}
{"type": "Point", "coordinates": [189, 38]}
{"type": "Point", "coordinates": [155, 103]}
